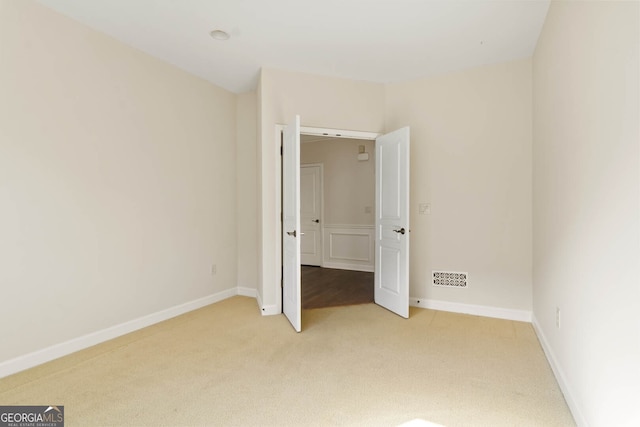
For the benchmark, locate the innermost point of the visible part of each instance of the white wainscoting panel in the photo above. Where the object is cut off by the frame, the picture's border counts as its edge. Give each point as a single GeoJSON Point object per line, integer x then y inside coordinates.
{"type": "Point", "coordinates": [349, 247]}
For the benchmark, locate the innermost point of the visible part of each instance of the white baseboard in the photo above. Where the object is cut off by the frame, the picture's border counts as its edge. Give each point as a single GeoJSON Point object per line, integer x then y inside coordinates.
{"type": "Point", "coordinates": [247, 292]}
{"type": "Point", "coordinates": [478, 310]}
{"type": "Point", "coordinates": [56, 351]}
{"type": "Point", "coordinates": [354, 267]}
{"type": "Point", "coordinates": [578, 416]}
{"type": "Point", "coordinates": [266, 310]}
{"type": "Point", "coordinates": [270, 310]}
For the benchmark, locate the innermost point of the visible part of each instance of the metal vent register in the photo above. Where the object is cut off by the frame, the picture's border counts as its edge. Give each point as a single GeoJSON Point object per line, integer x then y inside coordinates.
{"type": "Point", "coordinates": [450, 279]}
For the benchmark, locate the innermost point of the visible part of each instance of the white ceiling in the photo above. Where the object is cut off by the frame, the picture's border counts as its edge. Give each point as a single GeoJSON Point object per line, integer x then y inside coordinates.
{"type": "Point", "coordinates": [373, 40]}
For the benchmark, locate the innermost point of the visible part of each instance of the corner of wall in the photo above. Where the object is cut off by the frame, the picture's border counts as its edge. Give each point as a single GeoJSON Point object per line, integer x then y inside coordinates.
{"type": "Point", "coordinates": [567, 391]}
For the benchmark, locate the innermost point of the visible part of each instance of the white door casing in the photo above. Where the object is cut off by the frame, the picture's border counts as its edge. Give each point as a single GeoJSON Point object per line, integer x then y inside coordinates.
{"type": "Point", "coordinates": [291, 232]}
{"type": "Point", "coordinates": [311, 214]}
{"type": "Point", "coordinates": [271, 263]}
{"type": "Point", "coordinates": [392, 222]}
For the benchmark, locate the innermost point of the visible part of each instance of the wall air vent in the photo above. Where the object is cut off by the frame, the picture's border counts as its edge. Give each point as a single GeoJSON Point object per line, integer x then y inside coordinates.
{"type": "Point", "coordinates": [450, 279]}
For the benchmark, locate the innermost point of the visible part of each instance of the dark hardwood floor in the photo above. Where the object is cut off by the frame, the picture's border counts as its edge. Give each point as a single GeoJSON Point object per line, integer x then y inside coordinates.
{"type": "Point", "coordinates": [328, 287]}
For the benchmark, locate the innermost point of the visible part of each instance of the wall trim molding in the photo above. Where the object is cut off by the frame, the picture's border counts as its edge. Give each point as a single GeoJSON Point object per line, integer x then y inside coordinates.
{"type": "Point", "coordinates": [247, 292]}
{"type": "Point", "coordinates": [266, 310]}
{"type": "Point", "coordinates": [477, 310]}
{"type": "Point", "coordinates": [351, 226]}
{"type": "Point", "coordinates": [73, 345]}
{"type": "Point", "coordinates": [353, 267]}
{"type": "Point", "coordinates": [559, 374]}
{"type": "Point", "coordinates": [349, 247]}
{"type": "Point", "coordinates": [335, 133]}
{"type": "Point", "coordinates": [270, 310]}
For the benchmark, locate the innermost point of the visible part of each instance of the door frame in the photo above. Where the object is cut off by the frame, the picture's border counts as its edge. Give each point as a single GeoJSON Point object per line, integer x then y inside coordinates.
{"type": "Point", "coordinates": [306, 130]}
{"type": "Point", "coordinates": [321, 167]}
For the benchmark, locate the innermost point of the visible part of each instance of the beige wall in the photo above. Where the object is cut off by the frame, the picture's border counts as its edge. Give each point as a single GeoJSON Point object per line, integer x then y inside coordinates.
{"type": "Point", "coordinates": [247, 194]}
{"type": "Point", "coordinates": [321, 102]}
{"type": "Point", "coordinates": [471, 161]}
{"type": "Point", "coordinates": [117, 182]}
{"type": "Point", "coordinates": [349, 184]}
{"type": "Point", "coordinates": [586, 167]}
{"type": "Point", "coordinates": [122, 179]}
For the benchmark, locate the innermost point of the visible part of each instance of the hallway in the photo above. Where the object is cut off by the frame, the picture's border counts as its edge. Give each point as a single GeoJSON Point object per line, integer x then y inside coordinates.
{"type": "Point", "coordinates": [327, 287]}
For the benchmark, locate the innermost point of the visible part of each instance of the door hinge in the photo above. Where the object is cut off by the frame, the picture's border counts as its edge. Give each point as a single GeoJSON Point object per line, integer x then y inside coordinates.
{"type": "Point", "coordinates": [281, 150]}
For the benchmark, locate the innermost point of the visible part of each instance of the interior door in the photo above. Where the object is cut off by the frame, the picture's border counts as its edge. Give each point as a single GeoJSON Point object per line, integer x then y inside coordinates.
{"type": "Point", "coordinates": [310, 210]}
{"type": "Point", "coordinates": [392, 222]}
{"type": "Point", "coordinates": [291, 233]}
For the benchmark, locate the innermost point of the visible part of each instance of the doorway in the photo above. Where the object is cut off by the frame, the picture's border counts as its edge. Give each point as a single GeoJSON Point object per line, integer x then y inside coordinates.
{"type": "Point", "coordinates": [337, 200]}
{"type": "Point", "coordinates": [391, 271]}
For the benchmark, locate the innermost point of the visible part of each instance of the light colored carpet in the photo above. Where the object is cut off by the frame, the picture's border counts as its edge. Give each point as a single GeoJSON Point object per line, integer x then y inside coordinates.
{"type": "Point", "coordinates": [225, 365]}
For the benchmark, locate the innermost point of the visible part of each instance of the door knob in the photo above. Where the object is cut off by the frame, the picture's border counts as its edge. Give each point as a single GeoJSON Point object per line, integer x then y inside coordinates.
{"type": "Point", "coordinates": [292, 233]}
{"type": "Point", "coordinates": [317, 221]}
{"type": "Point", "coordinates": [401, 231]}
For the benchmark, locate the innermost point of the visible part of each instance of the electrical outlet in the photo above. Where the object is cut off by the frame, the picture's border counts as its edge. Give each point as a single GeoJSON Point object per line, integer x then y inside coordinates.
{"type": "Point", "coordinates": [558, 317]}
{"type": "Point", "coordinates": [424, 209]}
{"type": "Point", "coordinates": [214, 269]}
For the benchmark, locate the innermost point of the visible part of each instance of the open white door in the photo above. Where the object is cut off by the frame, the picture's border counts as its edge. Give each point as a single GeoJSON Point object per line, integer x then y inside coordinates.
{"type": "Point", "coordinates": [291, 299]}
{"type": "Point", "coordinates": [310, 214]}
{"type": "Point", "coordinates": [392, 222]}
